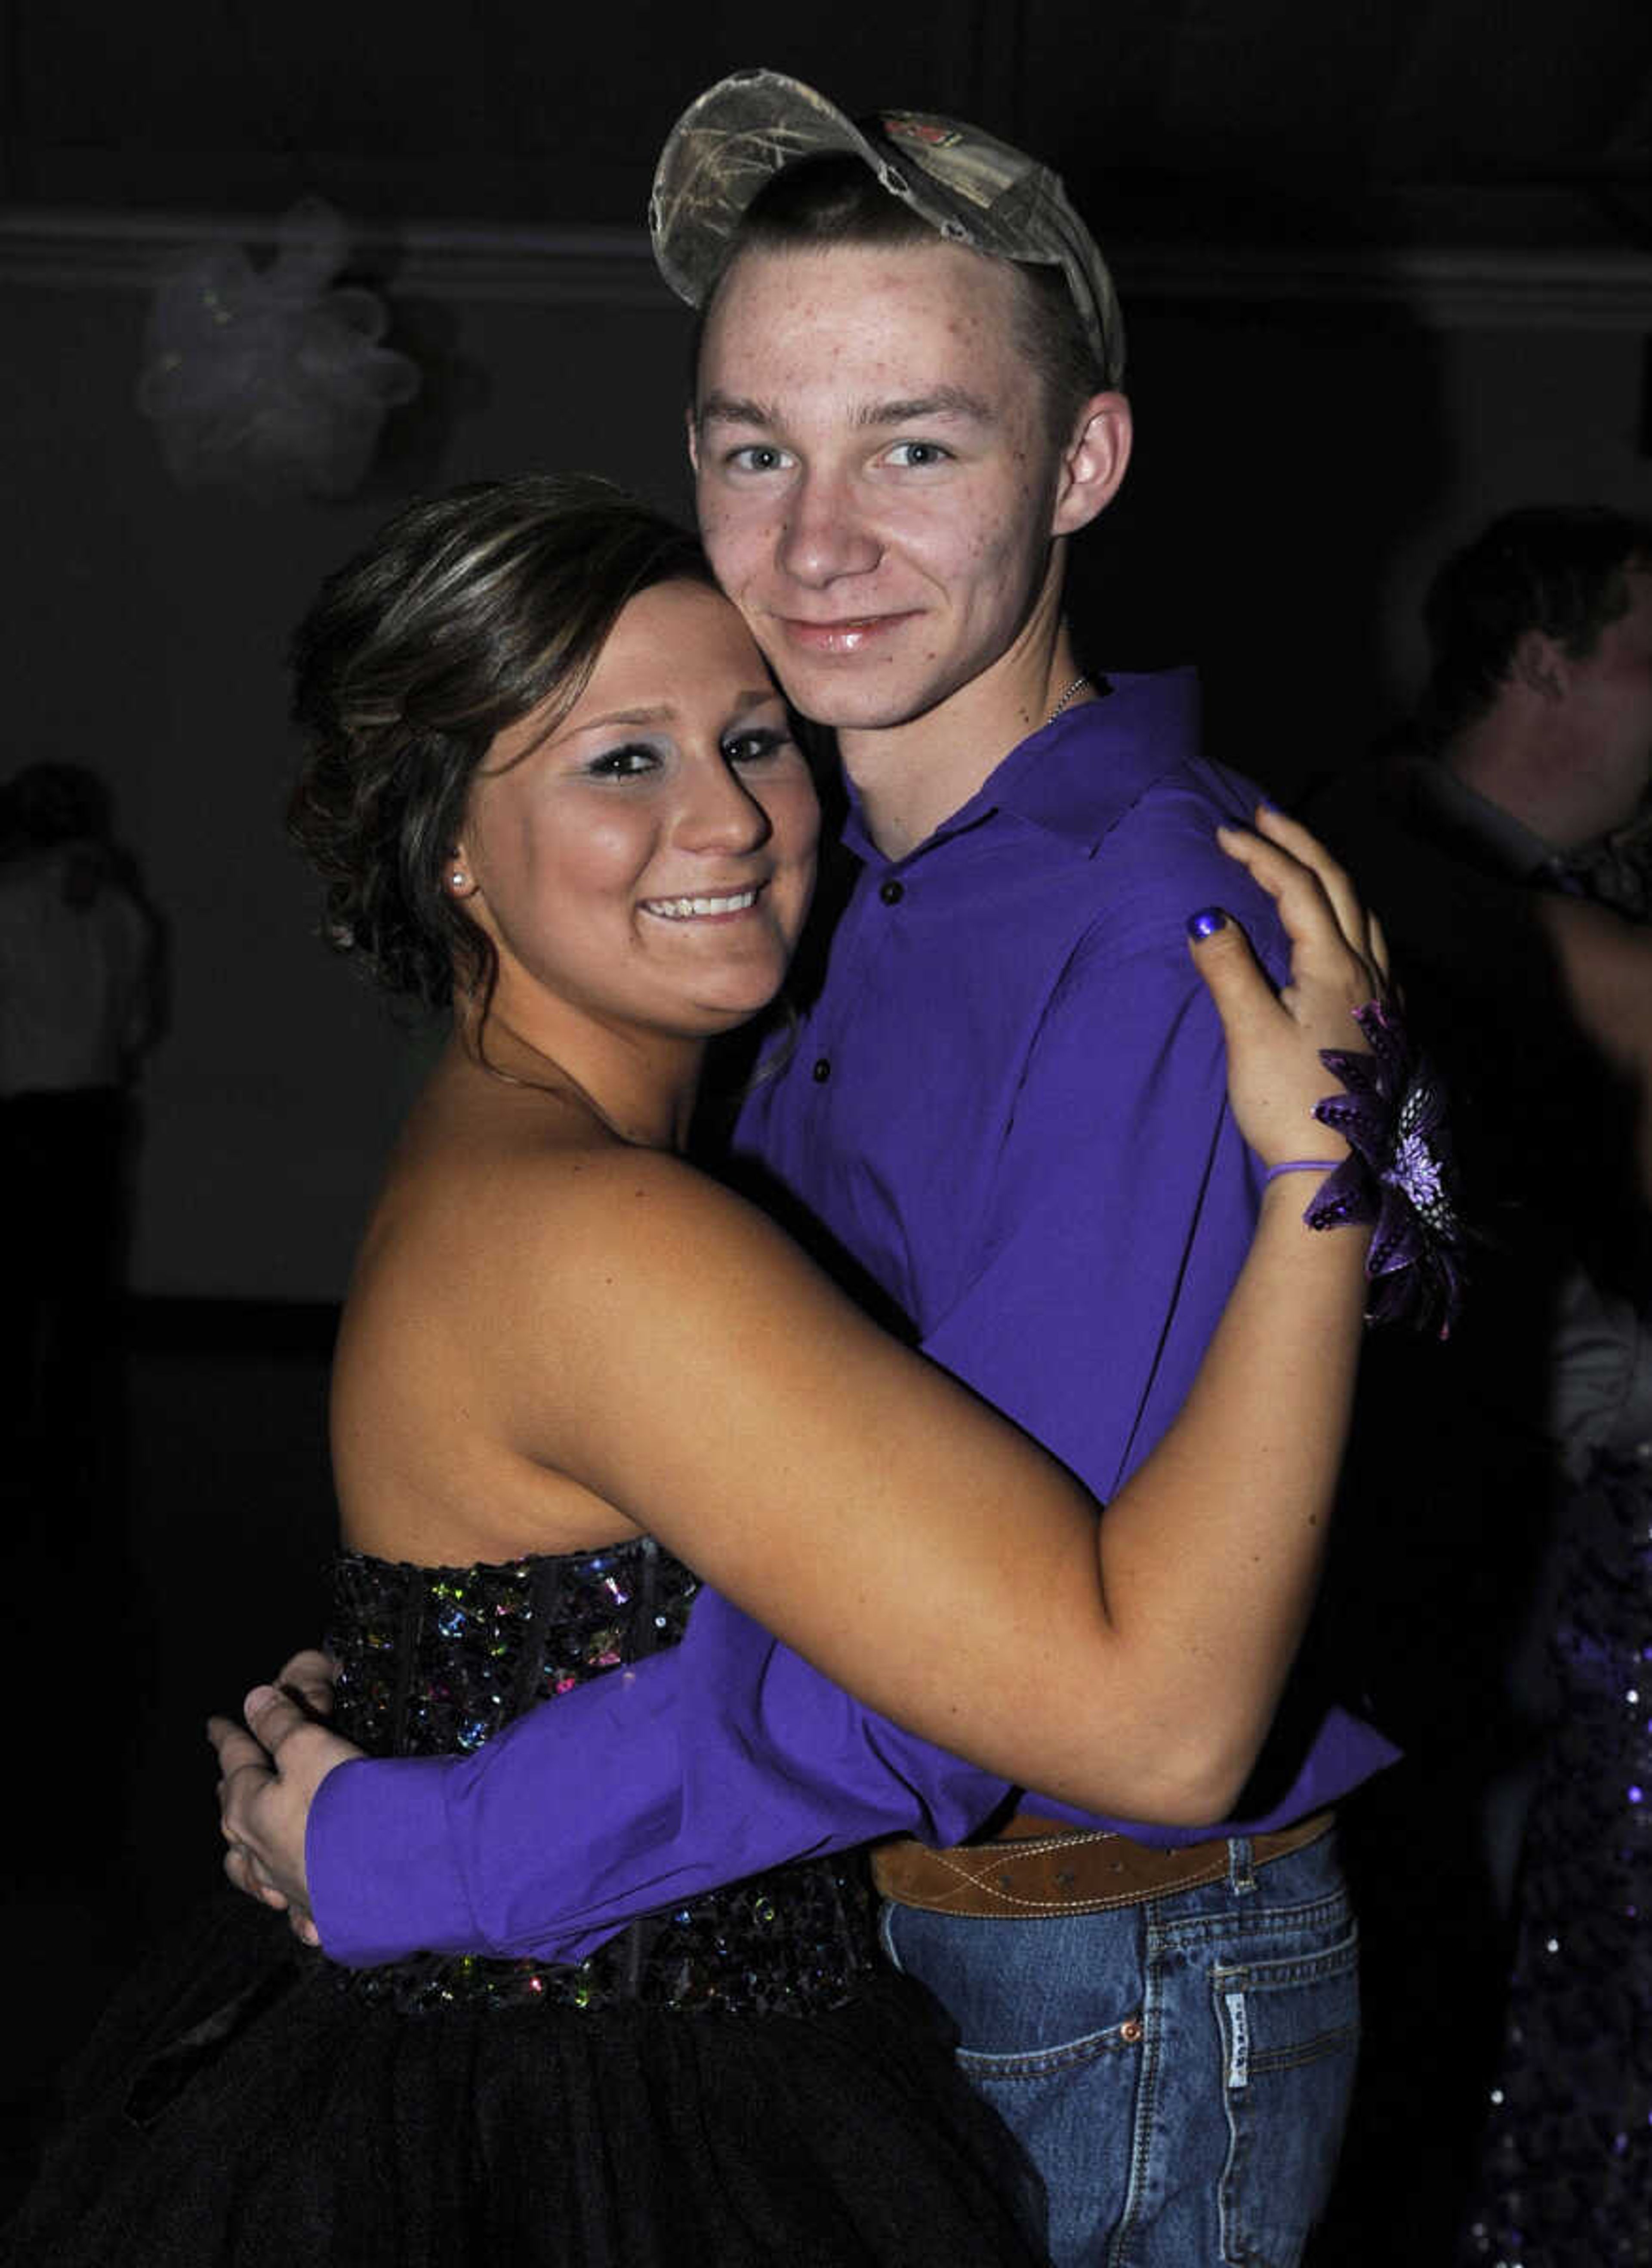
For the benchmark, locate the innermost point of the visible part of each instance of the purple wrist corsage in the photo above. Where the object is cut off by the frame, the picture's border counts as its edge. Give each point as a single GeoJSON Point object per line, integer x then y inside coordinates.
{"type": "Point", "coordinates": [1397, 1175]}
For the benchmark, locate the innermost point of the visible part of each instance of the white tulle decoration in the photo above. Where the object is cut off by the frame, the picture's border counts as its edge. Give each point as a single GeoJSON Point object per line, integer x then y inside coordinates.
{"type": "Point", "coordinates": [270, 380]}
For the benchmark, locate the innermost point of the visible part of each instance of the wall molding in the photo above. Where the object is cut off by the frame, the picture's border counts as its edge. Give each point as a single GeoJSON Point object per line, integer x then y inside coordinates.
{"type": "Point", "coordinates": [1462, 288]}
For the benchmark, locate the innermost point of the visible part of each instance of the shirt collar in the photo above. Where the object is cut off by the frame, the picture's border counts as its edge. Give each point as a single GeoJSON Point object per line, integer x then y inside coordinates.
{"type": "Point", "coordinates": [1078, 776]}
{"type": "Point", "coordinates": [1613, 870]}
{"type": "Point", "coordinates": [1506, 843]}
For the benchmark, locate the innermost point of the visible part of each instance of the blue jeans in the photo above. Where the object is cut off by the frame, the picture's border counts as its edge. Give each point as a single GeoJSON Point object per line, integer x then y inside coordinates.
{"type": "Point", "coordinates": [1178, 2070]}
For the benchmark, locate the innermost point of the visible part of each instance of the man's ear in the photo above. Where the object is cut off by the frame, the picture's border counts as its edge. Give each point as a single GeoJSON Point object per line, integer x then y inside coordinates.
{"type": "Point", "coordinates": [694, 439]}
{"type": "Point", "coordinates": [1541, 665]}
{"type": "Point", "coordinates": [1093, 463]}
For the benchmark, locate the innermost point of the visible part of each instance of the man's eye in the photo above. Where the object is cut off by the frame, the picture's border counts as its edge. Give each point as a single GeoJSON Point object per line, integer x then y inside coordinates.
{"type": "Point", "coordinates": [621, 763]}
{"type": "Point", "coordinates": [915, 455]}
{"type": "Point", "coordinates": [757, 457]}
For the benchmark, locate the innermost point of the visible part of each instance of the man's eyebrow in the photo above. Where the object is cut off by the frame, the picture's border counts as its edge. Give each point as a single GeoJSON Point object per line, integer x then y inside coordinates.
{"type": "Point", "coordinates": [905, 410]}
{"type": "Point", "coordinates": [732, 409]}
{"type": "Point", "coordinates": [943, 401]}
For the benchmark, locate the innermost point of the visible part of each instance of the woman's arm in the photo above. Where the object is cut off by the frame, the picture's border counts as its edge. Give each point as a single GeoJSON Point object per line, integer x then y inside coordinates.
{"type": "Point", "coordinates": [1156, 1647]}
{"type": "Point", "coordinates": [684, 1364]}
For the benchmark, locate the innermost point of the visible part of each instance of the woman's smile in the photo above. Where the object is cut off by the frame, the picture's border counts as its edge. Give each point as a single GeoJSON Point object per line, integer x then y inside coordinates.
{"type": "Point", "coordinates": [719, 908]}
{"type": "Point", "coordinates": [648, 857]}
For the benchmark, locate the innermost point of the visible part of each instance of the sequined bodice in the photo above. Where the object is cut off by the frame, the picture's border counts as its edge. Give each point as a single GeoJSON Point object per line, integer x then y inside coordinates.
{"type": "Point", "coordinates": [435, 1660]}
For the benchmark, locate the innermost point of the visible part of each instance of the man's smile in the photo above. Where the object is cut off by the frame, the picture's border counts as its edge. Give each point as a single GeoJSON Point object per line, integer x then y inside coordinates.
{"type": "Point", "coordinates": [850, 634]}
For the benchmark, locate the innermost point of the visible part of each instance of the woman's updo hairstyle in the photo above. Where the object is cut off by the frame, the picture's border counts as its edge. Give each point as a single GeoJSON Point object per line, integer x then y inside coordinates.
{"type": "Point", "coordinates": [461, 616]}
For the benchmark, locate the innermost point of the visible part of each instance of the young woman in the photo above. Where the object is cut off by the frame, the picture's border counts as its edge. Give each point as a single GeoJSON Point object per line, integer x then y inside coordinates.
{"type": "Point", "coordinates": [550, 783]}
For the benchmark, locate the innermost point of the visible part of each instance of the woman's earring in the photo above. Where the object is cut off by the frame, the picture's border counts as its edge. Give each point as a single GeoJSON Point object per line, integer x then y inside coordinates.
{"type": "Point", "coordinates": [457, 879]}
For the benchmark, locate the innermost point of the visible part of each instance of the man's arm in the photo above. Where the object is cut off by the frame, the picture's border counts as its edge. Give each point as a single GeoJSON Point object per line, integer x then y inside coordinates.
{"type": "Point", "coordinates": [721, 1757]}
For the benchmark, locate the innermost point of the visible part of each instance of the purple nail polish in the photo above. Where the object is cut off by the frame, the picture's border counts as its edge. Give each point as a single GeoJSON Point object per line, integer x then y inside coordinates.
{"type": "Point", "coordinates": [1206, 921]}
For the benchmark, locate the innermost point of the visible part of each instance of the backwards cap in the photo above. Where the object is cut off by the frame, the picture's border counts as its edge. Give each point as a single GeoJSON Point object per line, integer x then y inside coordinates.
{"type": "Point", "coordinates": [971, 189]}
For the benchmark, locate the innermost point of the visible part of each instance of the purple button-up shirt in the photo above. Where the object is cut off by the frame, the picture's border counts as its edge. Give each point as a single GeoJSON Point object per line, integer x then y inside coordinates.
{"type": "Point", "coordinates": [1009, 1107]}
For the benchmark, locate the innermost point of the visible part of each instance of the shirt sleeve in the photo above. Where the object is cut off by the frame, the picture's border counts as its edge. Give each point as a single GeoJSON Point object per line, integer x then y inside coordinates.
{"type": "Point", "coordinates": [645, 1788]}
{"type": "Point", "coordinates": [1123, 1200]}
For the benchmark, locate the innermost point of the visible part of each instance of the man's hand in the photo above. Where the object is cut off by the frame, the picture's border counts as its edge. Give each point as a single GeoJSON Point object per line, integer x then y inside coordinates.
{"type": "Point", "coordinates": [269, 1771]}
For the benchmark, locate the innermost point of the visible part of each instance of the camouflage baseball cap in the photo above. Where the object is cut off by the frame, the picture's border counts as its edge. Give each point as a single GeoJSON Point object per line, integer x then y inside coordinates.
{"type": "Point", "coordinates": [970, 189]}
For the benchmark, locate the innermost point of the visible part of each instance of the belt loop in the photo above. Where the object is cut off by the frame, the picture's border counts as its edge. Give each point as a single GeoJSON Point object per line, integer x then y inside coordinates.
{"type": "Point", "coordinates": [1241, 1874]}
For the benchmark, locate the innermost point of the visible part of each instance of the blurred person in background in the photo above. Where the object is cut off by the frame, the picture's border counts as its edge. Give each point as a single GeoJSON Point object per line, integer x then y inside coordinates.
{"type": "Point", "coordinates": [80, 999]}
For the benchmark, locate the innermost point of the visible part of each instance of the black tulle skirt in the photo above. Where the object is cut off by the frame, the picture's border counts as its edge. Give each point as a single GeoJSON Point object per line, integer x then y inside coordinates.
{"type": "Point", "coordinates": [237, 2106]}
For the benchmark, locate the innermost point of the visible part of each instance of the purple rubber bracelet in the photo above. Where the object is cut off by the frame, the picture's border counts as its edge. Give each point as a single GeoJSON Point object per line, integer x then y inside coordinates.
{"type": "Point", "coordinates": [1302, 1165]}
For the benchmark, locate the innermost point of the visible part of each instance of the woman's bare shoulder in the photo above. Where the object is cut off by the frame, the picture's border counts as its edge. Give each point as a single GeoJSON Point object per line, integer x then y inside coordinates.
{"type": "Point", "coordinates": [521, 1204]}
{"type": "Point", "coordinates": [513, 1277]}
{"type": "Point", "coordinates": [476, 1151]}
{"type": "Point", "coordinates": [638, 1219]}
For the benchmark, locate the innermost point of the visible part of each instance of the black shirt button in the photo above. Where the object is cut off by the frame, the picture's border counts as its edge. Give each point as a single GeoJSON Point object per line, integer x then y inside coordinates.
{"type": "Point", "coordinates": [822, 1070]}
{"type": "Point", "coordinates": [892, 892]}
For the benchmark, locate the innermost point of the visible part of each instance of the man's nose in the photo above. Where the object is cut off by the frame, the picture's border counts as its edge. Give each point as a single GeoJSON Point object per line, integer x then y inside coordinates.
{"type": "Point", "coordinates": [825, 533]}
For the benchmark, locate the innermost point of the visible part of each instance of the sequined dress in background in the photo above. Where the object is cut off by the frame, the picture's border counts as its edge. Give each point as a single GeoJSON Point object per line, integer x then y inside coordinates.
{"type": "Point", "coordinates": [1567, 2174]}
{"type": "Point", "coordinates": [737, 2081]}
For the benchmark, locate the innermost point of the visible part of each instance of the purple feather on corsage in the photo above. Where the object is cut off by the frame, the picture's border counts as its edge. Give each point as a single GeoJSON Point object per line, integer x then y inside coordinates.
{"type": "Point", "coordinates": [1396, 1176]}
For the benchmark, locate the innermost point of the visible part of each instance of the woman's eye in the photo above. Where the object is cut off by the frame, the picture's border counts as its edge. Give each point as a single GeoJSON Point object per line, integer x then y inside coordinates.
{"type": "Point", "coordinates": [751, 748]}
{"type": "Point", "coordinates": [915, 455]}
{"type": "Point", "coordinates": [621, 763]}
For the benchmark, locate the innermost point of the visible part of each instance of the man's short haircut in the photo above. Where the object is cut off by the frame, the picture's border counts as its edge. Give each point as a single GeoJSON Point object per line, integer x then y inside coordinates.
{"type": "Point", "coordinates": [1561, 570]}
{"type": "Point", "coordinates": [762, 160]}
{"type": "Point", "coordinates": [823, 203]}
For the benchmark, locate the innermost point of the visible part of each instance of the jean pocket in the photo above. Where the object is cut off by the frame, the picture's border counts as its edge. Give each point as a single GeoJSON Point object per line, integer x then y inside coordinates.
{"type": "Point", "coordinates": [1114, 2041]}
{"type": "Point", "coordinates": [1028, 2000]}
{"type": "Point", "coordinates": [1290, 2035]}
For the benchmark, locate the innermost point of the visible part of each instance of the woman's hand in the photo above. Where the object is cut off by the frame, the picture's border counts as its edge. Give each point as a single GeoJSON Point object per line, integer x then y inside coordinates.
{"type": "Point", "coordinates": [1338, 962]}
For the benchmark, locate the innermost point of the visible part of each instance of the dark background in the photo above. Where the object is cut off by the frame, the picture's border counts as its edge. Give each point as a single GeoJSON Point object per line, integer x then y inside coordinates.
{"type": "Point", "coordinates": [1387, 270]}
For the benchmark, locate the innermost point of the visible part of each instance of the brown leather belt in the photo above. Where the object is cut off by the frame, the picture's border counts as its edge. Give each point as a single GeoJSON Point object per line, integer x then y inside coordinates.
{"type": "Point", "coordinates": [1037, 1866]}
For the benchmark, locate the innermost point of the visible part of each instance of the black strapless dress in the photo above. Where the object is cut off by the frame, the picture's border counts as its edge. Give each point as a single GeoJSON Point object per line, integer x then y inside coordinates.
{"type": "Point", "coordinates": [738, 2081]}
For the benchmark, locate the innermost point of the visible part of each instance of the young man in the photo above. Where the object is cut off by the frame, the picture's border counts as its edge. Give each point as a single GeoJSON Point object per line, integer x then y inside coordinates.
{"type": "Point", "coordinates": [1006, 1107]}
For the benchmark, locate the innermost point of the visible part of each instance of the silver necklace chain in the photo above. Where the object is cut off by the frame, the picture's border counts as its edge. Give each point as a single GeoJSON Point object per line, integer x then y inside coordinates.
{"type": "Point", "coordinates": [1077, 686]}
